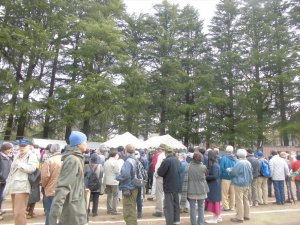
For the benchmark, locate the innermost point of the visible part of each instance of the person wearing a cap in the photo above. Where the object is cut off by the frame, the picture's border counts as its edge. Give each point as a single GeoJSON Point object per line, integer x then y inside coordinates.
{"type": "Point", "coordinates": [129, 190]}
{"type": "Point", "coordinates": [228, 194]}
{"type": "Point", "coordinates": [262, 182]}
{"type": "Point", "coordinates": [17, 184]}
{"type": "Point", "coordinates": [69, 203]}
{"type": "Point", "coordinates": [279, 170]}
{"type": "Point", "coordinates": [169, 170]}
{"type": "Point", "coordinates": [5, 164]}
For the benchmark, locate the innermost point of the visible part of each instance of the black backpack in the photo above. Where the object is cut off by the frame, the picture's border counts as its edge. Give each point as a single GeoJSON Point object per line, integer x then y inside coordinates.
{"type": "Point", "coordinates": [93, 182]}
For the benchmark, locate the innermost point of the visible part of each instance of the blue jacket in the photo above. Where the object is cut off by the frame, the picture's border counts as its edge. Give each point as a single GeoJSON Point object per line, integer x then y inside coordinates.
{"type": "Point", "coordinates": [214, 183]}
{"type": "Point", "coordinates": [183, 168]}
{"type": "Point", "coordinates": [227, 161]}
{"type": "Point", "coordinates": [127, 173]}
{"type": "Point", "coordinates": [242, 173]}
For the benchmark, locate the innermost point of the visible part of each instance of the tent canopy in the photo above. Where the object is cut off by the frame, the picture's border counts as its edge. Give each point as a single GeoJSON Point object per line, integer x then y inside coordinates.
{"type": "Point", "coordinates": [155, 141]}
{"type": "Point", "coordinates": [42, 143]}
{"type": "Point", "coordinates": [123, 140]}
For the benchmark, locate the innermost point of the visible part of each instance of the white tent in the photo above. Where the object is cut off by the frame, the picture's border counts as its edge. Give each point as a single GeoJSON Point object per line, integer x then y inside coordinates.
{"type": "Point", "coordinates": [123, 140]}
{"type": "Point", "coordinates": [94, 145]}
{"type": "Point", "coordinates": [155, 141]}
{"type": "Point", "coordinates": [42, 143]}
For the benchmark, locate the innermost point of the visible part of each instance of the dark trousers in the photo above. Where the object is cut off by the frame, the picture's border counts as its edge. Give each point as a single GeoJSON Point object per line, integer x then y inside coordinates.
{"type": "Point", "coordinates": [297, 182]}
{"type": "Point", "coordinates": [95, 200]}
{"type": "Point", "coordinates": [2, 186]}
{"type": "Point", "coordinates": [171, 208]}
{"type": "Point", "coordinates": [48, 203]}
{"type": "Point", "coordinates": [270, 182]}
{"type": "Point", "coordinates": [279, 191]}
{"type": "Point", "coordinates": [139, 202]}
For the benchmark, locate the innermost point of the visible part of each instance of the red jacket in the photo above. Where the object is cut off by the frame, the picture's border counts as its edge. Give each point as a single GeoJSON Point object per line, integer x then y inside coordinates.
{"type": "Point", "coordinates": [154, 161]}
{"type": "Point", "coordinates": [296, 166]}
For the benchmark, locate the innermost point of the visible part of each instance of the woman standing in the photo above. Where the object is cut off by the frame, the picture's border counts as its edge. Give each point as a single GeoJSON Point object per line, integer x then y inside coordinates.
{"type": "Point", "coordinates": [95, 167]}
{"type": "Point", "coordinates": [213, 201]}
{"type": "Point", "coordinates": [5, 164]}
{"type": "Point", "coordinates": [197, 188]}
{"type": "Point", "coordinates": [17, 182]}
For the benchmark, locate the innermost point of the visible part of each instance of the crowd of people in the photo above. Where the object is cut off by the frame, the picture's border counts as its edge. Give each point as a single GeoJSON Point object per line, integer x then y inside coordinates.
{"type": "Point", "coordinates": [70, 181]}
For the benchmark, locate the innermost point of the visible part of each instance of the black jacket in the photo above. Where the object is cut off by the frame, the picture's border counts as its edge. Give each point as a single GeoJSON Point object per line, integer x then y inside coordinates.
{"type": "Point", "coordinates": [5, 165]}
{"type": "Point", "coordinates": [170, 171]}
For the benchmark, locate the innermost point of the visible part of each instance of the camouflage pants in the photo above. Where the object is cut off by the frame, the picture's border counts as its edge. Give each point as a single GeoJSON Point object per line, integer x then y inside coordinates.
{"type": "Point", "coordinates": [129, 208]}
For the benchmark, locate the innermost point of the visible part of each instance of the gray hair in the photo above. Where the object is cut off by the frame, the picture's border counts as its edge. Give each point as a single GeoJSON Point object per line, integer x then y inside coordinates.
{"type": "Point", "coordinates": [241, 153]}
{"type": "Point", "coordinates": [182, 155]}
{"type": "Point", "coordinates": [54, 148]}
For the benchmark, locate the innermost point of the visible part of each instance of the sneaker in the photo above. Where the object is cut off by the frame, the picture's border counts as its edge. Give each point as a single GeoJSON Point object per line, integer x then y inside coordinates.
{"type": "Point", "coordinates": [219, 219]}
{"type": "Point", "coordinates": [114, 213]}
{"type": "Point", "coordinates": [212, 221]}
{"type": "Point", "coordinates": [246, 218]}
{"type": "Point", "coordinates": [236, 220]}
{"type": "Point", "coordinates": [157, 214]}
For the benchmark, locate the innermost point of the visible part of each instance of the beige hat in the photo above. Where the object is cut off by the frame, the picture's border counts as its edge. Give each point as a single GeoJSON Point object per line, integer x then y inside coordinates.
{"type": "Point", "coordinates": [283, 155]}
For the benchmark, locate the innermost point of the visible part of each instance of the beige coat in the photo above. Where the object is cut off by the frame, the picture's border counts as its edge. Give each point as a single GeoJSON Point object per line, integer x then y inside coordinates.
{"type": "Point", "coordinates": [50, 173]}
{"type": "Point", "coordinates": [17, 181]}
{"type": "Point", "coordinates": [111, 171]}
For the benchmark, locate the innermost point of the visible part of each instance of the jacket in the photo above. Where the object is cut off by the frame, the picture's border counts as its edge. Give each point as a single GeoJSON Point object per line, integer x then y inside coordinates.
{"type": "Point", "coordinates": [241, 173]}
{"type": "Point", "coordinates": [296, 166]}
{"type": "Point", "coordinates": [127, 173]}
{"type": "Point", "coordinates": [111, 171]}
{"type": "Point", "coordinates": [69, 203]}
{"type": "Point", "coordinates": [214, 183]}
{"type": "Point", "coordinates": [279, 168]}
{"type": "Point", "coordinates": [5, 164]}
{"type": "Point", "coordinates": [17, 180]}
{"type": "Point", "coordinates": [197, 184]}
{"type": "Point", "coordinates": [255, 165]}
{"type": "Point", "coordinates": [227, 161]}
{"type": "Point", "coordinates": [50, 173]}
{"type": "Point", "coordinates": [170, 171]}
{"type": "Point", "coordinates": [184, 166]}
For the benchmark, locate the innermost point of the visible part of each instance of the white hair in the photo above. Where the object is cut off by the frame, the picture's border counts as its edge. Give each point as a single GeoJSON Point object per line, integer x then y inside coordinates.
{"type": "Point", "coordinates": [241, 153]}
{"type": "Point", "coordinates": [229, 148]}
{"type": "Point", "coordinates": [54, 148]}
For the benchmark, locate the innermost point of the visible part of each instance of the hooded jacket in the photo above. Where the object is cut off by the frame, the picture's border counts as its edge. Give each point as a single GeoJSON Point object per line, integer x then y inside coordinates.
{"type": "Point", "coordinates": [227, 161]}
{"type": "Point", "coordinates": [69, 203]}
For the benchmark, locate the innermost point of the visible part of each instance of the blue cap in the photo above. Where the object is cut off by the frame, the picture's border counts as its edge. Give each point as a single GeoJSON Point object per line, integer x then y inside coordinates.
{"type": "Point", "coordinates": [76, 138]}
{"type": "Point", "coordinates": [259, 153]}
{"type": "Point", "coordinates": [23, 142]}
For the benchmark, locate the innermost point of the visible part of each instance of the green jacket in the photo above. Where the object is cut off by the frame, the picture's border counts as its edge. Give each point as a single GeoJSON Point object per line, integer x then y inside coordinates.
{"type": "Point", "coordinates": [69, 203]}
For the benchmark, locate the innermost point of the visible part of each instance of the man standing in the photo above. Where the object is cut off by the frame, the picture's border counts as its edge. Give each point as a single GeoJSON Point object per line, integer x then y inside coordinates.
{"type": "Point", "coordinates": [170, 171]}
{"type": "Point", "coordinates": [242, 177]}
{"type": "Point", "coordinates": [159, 192]}
{"type": "Point", "coordinates": [69, 203]}
{"type": "Point", "coordinates": [253, 199]}
{"type": "Point", "coordinates": [279, 170]}
{"type": "Point", "coordinates": [111, 171]}
{"type": "Point", "coordinates": [49, 176]}
{"type": "Point", "coordinates": [228, 196]}
{"type": "Point", "coordinates": [129, 191]}
{"type": "Point", "coordinates": [262, 182]}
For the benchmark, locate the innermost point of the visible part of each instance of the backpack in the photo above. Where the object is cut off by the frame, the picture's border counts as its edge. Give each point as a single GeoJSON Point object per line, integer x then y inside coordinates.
{"type": "Point", "coordinates": [265, 168]}
{"type": "Point", "coordinates": [93, 182]}
{"type": "Point", "coordinates": [140, 176]}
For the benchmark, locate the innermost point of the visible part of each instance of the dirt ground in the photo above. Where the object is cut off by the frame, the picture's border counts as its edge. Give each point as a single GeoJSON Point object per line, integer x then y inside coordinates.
{"type": "Point", "coordinates": [288, 214]}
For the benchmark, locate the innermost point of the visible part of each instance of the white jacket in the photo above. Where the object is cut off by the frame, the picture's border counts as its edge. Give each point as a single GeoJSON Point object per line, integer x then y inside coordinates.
{"type": "Point", "coordinates": [111, 171]}
{"type": "Point", "coordinates": [279, 168]}
{"type": "Point", "coordinates": [17, 181]}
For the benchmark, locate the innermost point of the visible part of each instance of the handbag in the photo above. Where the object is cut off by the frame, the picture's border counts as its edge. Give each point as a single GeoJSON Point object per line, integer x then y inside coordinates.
{"type": "Point", "coordinates": [34, 177]}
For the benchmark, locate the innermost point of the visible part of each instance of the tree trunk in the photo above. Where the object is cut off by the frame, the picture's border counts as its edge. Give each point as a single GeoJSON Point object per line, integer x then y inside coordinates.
{"type": "Point", "coordinates": [50, 95]}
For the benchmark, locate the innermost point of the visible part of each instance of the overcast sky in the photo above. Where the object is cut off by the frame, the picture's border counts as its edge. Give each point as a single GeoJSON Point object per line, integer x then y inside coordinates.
{"type": "Point", "coordinates": [206, 8]}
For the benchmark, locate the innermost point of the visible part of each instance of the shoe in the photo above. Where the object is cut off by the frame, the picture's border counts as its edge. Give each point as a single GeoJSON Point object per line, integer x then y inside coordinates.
{"type": "Point", "coordinates": [236, 220]}
{"type": "Point", "coordinates": [246, 218]}
{"type": "Point", "coordinates": [157, 214]}
{"type": "Point", "coordinates": [255, 204]}
{"type": "Point", "coordinates": [94, 214]}
{"type": "Point", "coordinates": [212, 221]}
{"type": "Point", "coordinates": [114, 213]}
{"type": "Point", "coordinates": [219, 219]}
{"type": "Point", "coordinates": [150, 198]}
{"type": "Point", "coordinates": [139, 215]}
{"type": "Point", "coordinates": [1, 218]}
{"type": "Point", "coordinates": [226, 210]}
